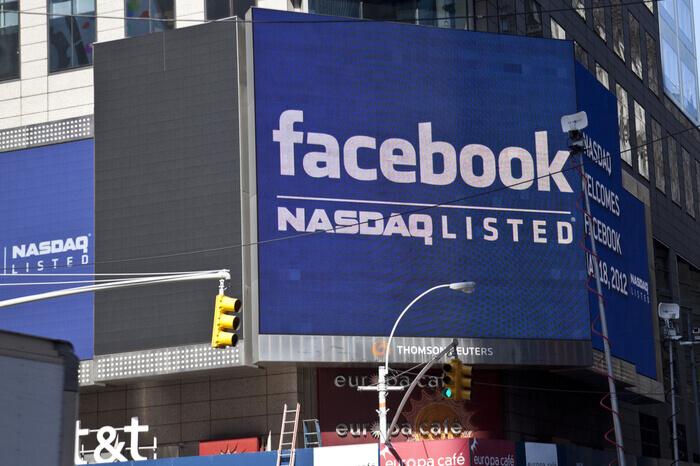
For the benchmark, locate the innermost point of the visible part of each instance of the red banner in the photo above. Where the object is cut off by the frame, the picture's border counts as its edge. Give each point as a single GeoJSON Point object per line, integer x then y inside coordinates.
{"type": "Point", "coordinates": [225, 447]}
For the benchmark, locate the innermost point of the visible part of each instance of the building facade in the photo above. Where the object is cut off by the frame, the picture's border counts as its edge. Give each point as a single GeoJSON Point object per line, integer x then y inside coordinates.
{"type": "Point", "coordinates": [164, 104]}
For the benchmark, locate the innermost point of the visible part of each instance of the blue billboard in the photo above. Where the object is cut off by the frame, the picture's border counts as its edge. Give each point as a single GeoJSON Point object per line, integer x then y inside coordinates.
{"type": "Point", "coordinates": [618, 227]}
{"type": "Point", "coordinates": [383, 169]}
{"type": "Point", "coordinates": [47, 230]}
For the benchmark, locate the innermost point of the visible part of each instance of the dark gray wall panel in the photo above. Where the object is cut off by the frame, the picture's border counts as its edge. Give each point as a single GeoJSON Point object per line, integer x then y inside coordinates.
{"type": "Point", "coordinates": [167, 181]}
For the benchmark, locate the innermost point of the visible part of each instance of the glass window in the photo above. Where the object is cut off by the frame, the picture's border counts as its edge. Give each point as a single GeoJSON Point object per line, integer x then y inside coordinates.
{"type": "Point", "coordinates": [690, 98]}
{"type": "Point", "coordinates": [71, 33]}
{"type": "Point", "coordinates": [481, 11]}
{"type": "Point", "coordinates": [506, 17]}
{"type": "Point", "coordinates": [649, 429]}
{"type": "Point", "coordinates": [335, 8]}
{"type": "Point", "coordinates": [635, 47]}
{"type": "Point", "coordinates": [659, 174]}
{"type": "Point", "coordinates": [444, 13]}
{"type": "Point", "coordinates": [149, 16]}
{"type": "Point", "coordinates": [558, 32]}
{"type": "Point", "coordinates": [640, 124]}
{"type": "Point", "coordinates": [617, 29]}
{"type": "Point", "coordinates": [533, 18]}
{"type": "Point", "coordinates": [9, 39]}
{"type": "Point", "coordinates": [219, 9]}
{"type": "Point", "coordinates": [668, 11]}
{"type": "Point", "coordinates": [623, 118]}
{"type": "Point", "coordinates": [652, 72]}
{"type": "Point", "coordinates": [673, 170]}
{"type": "Point", "coordinates": [602, 75]}
{"type": "Point", "coordinates": [685, 24]}
{"type": "Point", "coordinates": [688, 183]}
{"type": "Point", "coordinates": [579, 8]}
{"type": "Point", "coordinates": [678, 58]}
{"type": "Point", "coordinates": [581, 54]}
{"type": "Point", "coordinates": [599, 18]}
{"type": "Point", "coordinates": [672, 82]}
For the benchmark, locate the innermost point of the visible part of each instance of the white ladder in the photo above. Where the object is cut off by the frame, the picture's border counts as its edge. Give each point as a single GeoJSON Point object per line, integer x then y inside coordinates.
{"type": "Point", "coordinates": [286, 456]}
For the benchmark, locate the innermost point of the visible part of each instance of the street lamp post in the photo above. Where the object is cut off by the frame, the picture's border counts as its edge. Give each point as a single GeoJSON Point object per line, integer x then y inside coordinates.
{"type": "Point", "coordinates": [382, 388]}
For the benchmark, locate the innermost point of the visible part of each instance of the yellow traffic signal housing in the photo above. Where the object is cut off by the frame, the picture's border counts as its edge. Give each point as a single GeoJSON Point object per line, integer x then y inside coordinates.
{"type": "Point", "coordinates": [226, 321]}
{"type": "Point", "coordinates": [450, 376]}
{"type": "Point", "coordinates": [464, 388]}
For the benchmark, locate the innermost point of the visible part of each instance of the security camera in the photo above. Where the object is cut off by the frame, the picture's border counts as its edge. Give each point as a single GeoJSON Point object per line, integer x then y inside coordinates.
{"type": "Point", "coordinates": [575, 122]}
{"type": "Point", "coordinates": [669, 311]}
{"type": "Point", "coordinates": [696, 330]}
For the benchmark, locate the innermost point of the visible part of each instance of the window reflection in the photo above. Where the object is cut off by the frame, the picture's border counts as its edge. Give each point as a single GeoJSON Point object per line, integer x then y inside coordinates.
{"type": "Point", "coordinates": [599, 18]}
{"type": "Point", "coordinates": [149, 16]}
{"type": "Point", "coordinates": [688, 183]}
{"type": "Point", "coordinates": [9, 39]}
{"type": "Point", "coordinates": [652, 72]}
{"type": "Point", "coordinates": [673, 170]}
{"type": "Point", "coordinates": [635, 47]}
{"type": "Point", "coordinates": [558, 32]}
{"type": "Point", "coordinates": [689, 92]}
{"type": "Point", "coordinates": [678, 56]}
{"type": "Point", "coordinates": [659, 174]}
{"type": "Point", "coordinates": [602, 75]}
{"type": "Point", "coordinates": [623, 117]}
{"type": "Point", "coordinates": [640, 123]}
{"type": "Point", "coordinates": [506, 17]}
{"type": "Point", "coordinates": [533, 18]}
{"type": "Point", "coordinates": [579, 7]}
{"type": "Point", "coordinates": [671, 79]}
{"type": "Point", "coordinates": [618, 34]}
{"type": "Point", "coordinates": [685, 26]}
{"type": "Point", "coordinates": [71, 33]}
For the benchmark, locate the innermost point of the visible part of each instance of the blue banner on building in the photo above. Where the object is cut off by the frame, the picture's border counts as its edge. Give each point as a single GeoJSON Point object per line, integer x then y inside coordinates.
{"type": "Point", "coordinates": [619, 230]}
{"type": "Point", "coordinates": [47, 230]}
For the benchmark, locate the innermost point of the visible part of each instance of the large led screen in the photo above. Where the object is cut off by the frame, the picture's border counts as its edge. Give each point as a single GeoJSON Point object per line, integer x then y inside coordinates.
{"type": "Point", "coordinates": [390, 159]}
{"type": "Point", "coordinates": [46, 232]}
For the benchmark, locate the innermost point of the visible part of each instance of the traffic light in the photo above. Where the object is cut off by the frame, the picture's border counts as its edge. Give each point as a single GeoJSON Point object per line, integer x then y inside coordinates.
{"type": "Point", "coordinates": [449, 379]}
{"type": "Point", "coordinates": [226, 321]}
{"type": "Point", "coordinates": [464, 386]}
{"type": "Point", "coordinates": [457, 380]}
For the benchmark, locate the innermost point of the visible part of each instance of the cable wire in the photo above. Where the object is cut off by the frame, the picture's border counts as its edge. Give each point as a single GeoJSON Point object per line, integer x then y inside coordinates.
{"type": "Point", "coordinates": [321, 231]}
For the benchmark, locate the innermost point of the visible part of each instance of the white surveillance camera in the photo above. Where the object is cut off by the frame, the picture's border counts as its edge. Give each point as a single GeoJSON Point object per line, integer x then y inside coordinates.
{"type": "Point", "coordinates": [669, 311]}
{"type": "Point", "coordinates": [575, 122]}
{"type": "Point", "coordinates": [696, 330]}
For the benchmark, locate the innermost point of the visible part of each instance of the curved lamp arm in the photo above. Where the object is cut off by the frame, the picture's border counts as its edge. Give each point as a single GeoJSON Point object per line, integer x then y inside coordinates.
{"type": "Point", "coordinates": [466, 287]}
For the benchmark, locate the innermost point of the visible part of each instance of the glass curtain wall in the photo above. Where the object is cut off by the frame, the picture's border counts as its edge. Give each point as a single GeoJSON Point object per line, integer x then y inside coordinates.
{"type": "Point", "coordinates": [678, 56]}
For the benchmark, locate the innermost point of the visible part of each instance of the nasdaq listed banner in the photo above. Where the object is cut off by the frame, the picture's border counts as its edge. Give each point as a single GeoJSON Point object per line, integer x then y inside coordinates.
{"type": "Point", "coordinates": [46, 228]}
{"type": "Point", "coordinates": [619, 231]}
{"type": "Point", "coordinates": [384, 169]}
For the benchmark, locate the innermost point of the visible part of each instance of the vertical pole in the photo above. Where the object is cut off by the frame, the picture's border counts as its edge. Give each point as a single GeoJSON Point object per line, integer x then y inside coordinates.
{"type": "Point", "coordinates": [673, 404]}
{"type": "Point", "coordinates": [604, 326]}
{"type": "Point", "coordinates": [689, 329]}
{"type": "Point", "coordinates": [381, 390]}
